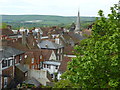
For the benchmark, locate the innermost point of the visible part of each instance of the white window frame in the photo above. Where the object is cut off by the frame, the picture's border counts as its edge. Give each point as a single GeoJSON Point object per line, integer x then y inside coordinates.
{"type": "Point", "coordinates": [15, 60]}
{"type": "Point", "coordinates": [5, 82]}
{"type": "Point", "coordinates": [58, 57]}
{"type": "Point", "coordinates": [11, 62]}
{"type": "Point", "coordinates": [58, 51]}
{"type": "Point", "coordinates": [26, 74]}
{"type": "Point", "coordinates": [32, 61]}
{"type": "Point", "coordinates": [48, 66]}
{"type": "Point", "coordinates": [20, 58]}
{"type": "Point", "coordinates": [25, 56]}
{"type": "Point", "coordinates": [56, 67]}
{"type": "Point", "coordinates": [61, 50]}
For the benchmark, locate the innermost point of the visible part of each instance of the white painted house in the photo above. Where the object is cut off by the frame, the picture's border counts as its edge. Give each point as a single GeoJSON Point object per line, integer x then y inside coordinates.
{"type": "Point", "coordinates": [52, 67]}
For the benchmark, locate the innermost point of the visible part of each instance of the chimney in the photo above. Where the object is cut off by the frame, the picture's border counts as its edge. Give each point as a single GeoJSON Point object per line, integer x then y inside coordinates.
{"type": "Point", "coordinates": [24, 38]}
{"type": "Point", "coordinates": [39, 38]}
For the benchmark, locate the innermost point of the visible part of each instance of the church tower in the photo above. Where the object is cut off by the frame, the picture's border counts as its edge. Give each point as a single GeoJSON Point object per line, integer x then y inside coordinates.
{"type": "Point", "coordinates": [77, 28]}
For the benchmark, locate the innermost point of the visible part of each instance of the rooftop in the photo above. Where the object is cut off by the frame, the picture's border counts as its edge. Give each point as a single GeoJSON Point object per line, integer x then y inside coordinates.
{"type": "Point", "coordinates": [46, 44]}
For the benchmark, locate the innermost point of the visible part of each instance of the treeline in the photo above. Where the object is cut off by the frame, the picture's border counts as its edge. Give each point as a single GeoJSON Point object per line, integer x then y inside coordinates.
{"type": "Point", "coordinates": [29, 21]}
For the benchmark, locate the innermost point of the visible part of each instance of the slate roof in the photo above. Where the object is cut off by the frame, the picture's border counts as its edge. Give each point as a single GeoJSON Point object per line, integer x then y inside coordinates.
{"type": "Point", "coordinates": [22, 68]}
{"type": "Point", "coordinates": [46, 44]}
{"type": "Point", "coordinates": [32, 81]}
{"type": "Point", "coordinates": [6, 52]}
{"type": "Point", "coordinates": [77, 36]}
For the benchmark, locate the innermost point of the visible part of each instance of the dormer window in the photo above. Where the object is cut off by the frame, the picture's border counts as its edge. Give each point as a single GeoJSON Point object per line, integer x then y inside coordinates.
{"type": "Point", "coordinates": [32, 60]}
{"type": "Point", "coordinates": [46, 45]}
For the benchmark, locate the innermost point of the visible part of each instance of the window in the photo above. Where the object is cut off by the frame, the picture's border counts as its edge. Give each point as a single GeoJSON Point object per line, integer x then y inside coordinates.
{"type": "Point", "coordinates": [48, 66]}
{"type": "Point", "coordinates": [56, 67]}
{"type": "Point", "coordinates": [41, 65]}
{"type": "Point", "coordinates": [11, 62]}
{"type": "Point", "coordinates": [20, 57]}
{"type": "Point", "coordinates": [32, 60]}
{"type": "Point", "coordinates": [38, 65]}
{"type": "Point", "coordinates": [4, 63]}
{"type": "Point", "coordinates": [58, 51]}
{"type": "Point", "coordinates": [44, 66]}
{"type": "Point", "coordinates": [41, 57]}
{"type": "Point", "coordinates": [25, 56]}
{"type": "Point", "coordinates": [15, 60]}
{"type": "Point", "coordinates": [61, 50]}
{"type": "Point", "coordinates": [58, 57]}
{"type": "Point", "coordinates": [25, 74]}
{"type": "Point", "coordinates": [5, 82]}
{"type": "Point", "coordinates": [33, 44]}
{"type": "Point", "coordinates": [33, 66]}
{"type": "Point", "coordinates": [61, 57]}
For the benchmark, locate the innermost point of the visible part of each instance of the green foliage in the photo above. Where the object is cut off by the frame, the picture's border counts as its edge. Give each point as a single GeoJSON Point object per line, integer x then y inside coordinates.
{"type": "Point", "coordinates": [17, 21]}
{"type": "Point", "coordinates": [97, 62]}
{"type": "Point", "coordinates": [65, 84]}
{"type": "Point", "coordinates": [3, 25]}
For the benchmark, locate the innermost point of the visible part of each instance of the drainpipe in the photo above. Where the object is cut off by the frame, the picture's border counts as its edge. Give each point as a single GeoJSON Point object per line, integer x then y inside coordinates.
{"type": "Point", "coordinates": [1, 73]}
{"type": "Point", "coordinates": [13, 66]}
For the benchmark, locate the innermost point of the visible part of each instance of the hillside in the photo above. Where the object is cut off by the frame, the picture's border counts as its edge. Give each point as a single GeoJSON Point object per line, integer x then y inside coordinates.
{"type": "Point", "coordinates": [41, 20]}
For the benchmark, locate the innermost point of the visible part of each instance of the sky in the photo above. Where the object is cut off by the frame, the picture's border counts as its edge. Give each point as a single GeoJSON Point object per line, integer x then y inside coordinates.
{"type": "Point", "coordinates": [56, 7]}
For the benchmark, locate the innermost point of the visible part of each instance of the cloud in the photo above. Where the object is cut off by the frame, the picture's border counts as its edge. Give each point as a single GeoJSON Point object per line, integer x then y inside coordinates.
{"type": "Point", "coordinates": [55, 7]}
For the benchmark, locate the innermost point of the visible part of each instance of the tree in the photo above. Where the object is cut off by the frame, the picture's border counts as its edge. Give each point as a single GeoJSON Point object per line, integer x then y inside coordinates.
{"type": "Point", "coordinates": [97, 62]}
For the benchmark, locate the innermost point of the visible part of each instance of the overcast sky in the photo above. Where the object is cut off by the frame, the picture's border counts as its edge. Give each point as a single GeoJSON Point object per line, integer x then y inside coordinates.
{"type": "Point", "coordinates": [56, 7]}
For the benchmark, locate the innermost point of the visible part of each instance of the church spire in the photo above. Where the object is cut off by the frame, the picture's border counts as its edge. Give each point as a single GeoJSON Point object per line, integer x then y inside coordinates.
{"type": "Point", "coordinates": [77, 28]}
{"type": "Point", "coordinates": [119, 6]}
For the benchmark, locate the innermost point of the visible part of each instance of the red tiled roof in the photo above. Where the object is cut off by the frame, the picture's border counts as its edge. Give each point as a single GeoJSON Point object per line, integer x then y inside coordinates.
{"type": "Point", "coordinates": [69, 50]}
{"type": "Point", "coordinates": [63, 66]}
{"type": "Point", "coordinates": [6, 31]}
{"type": "Point", "coordinates": [46, 53]}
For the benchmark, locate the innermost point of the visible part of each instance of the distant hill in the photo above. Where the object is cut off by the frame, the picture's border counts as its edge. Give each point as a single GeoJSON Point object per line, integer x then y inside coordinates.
{"type": "Point", "coordinates": [41, 20]}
